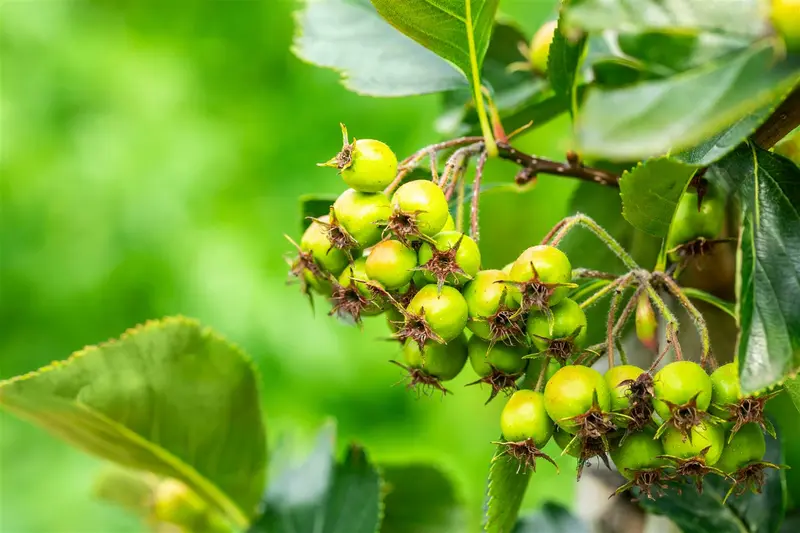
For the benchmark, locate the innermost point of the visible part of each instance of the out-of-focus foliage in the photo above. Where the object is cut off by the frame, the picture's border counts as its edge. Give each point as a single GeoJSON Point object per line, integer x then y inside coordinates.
{"type": "Point", "coordinates": [151, 160]}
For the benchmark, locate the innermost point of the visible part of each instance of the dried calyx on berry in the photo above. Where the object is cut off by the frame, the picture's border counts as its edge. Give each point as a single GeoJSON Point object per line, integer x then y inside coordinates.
{"type": "Point", "coordinates": [682, 396]}
{"type": "Point", "coordinates": [558, 331]}
{"type": "Point", "coordinates": [526, 428]}
{"type": "Point", "coordinates": [498, 365]}
{"type": "Point", "coordinates": [493, 314]}
{"type": "Point", "coordinates": [631, 396]}
{"type": "Point", "coordinates": [541, 277]}
{"type": "Point", "coordinates": [433, 363]}
{"type": "Point", "coordinates": [728, 403]}
{"type": "Point", "coordinates": [452, 258]}
{"type": "Point", "coordinates": [366, 165]}
{"type": "Point", "coordinates": [419, 211]}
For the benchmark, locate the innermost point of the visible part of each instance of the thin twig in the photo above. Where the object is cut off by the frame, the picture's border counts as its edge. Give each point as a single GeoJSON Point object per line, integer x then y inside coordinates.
{"type": "Point", "coordinates": [434, 171]}
{"type": "Point", "coordinates": [476, 195]}
{"type": "Point", "coordinates": [460, 207]}
{"type": "Point", "coordinates": [572, 169]}
{"type": "Point", "coordinates": [542, 373]}
{"type": "Point", "coordinates": [409, 163]}
{"type": "Point", "coordinates": [589, 273]}
{"type": "Point", "coordinates": [782, 122]}
{"type": "Point", "coordinates": [612, 315]}
{"type": "Point", "coordinates": [456, 165]}
{"type": "Point", "coordinates": [579, 219]}
{"type": "Point", "coordinates": [694, 313]}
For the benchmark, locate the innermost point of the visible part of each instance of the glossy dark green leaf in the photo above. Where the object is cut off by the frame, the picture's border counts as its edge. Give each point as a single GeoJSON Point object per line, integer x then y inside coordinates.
{"type": "Point", "coordinates": [506, 489]}
{"type": "Point", "coordinates": [169, 397]}
{"type": "Point", "coordinates": [669, 53]}
{"type": "Point", "coordinates": [315, 206]}
{"type": "Point", "coordinates": [420, 499]}
{"type": "Point", "coordinates": [650, 194]}
{"type": "Point", "coordinates": [551, 518]}
{"type": "Point", "coordinates": [441, 26]}
{"type": "Point", "coordinates": [321, 494]}
{"type": "Point", "coordinates": [374, 59]}
{"type": "Point", "coordinates": [735, 17]}
{"type": "Point", "coordinates": [722, 143]}
{"type": "Point", "coordinates": [653, 118]}
{"type": "Point", "coordinates": [706, 512]}
{"type": "Point", "coordinates": [563, 63]}
{"type": "Point", "coordinates": [768, 284]}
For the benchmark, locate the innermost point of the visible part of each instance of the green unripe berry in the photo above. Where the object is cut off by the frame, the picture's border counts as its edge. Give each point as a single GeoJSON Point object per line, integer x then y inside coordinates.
{"type": "Point", "coordinates": [549, 263]}
{"type": "Point", "coordinates": [450, 224]}
{"type": "Point", "coordinates": [315, 240]}
{"type": "Point", "coordinates": [391, 264]}
{"type": "Point", "coordinates": [747, 446]}
{"type": "Point", "coordinates": [646, 323]}
{"type": "Point", "coordinates": [620, 400]}
{"type": "Point", "coordinates": [540, 46]}
{"type": "Point", "coordinates": [703, 435]}
{"type": "Point", "coordinates": [446, 312]}
{"type": "Point", "coordinates": [426, 202]}
{"type": "Point", "coordinates": [394, 319]}
{"type": "Point", "coordinates": [361, 215]}
{"type": "Point", "coordinates": [506, 359]}
{"type": "Point", "coordinates": [571, 392]}
{"type": "Point", "coordinates": [639, 451]}
{"type": "Point", "coordinates": [373, 166]}
{"type": "Point", "coordinates": [690, 224]}
{"type": "Point", "coordinates": [467, 257]}
{"type": "Point", "coordinates": [725, 389]}
{"type": "Point", "coordinates": [358, 270]}
{"type": "Point", "coordinates": [524, 417]}
{"type": "Point", "coordinates": [484, 295]}
{"type": "Point", "coordinates": [442, 361]}
{"type": "Point", "coordinates": [567, 318]}
{"type": "Point", "coordinates": [678, 383]}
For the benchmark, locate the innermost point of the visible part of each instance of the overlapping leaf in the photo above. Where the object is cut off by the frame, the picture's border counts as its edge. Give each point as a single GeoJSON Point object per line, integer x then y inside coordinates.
{"type": "Point", "coordinates": [506, 488]}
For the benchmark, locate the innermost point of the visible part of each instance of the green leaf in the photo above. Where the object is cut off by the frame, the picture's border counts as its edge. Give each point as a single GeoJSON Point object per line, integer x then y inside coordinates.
{"type": "Point", "coordinates": [374, 59]}
{"type": "Point", "coordinates": [506, 488]}
{"type": "Point", "coordinates": [792, 387]}
{"type": "Point", "coordinates": [551, 518]}
{"type": "Point", "coordinates": [725, 141]}
{"type": "Point", "coordinates": [315, 206]}
{"type": "Point", "coordinates": [169, 397]}
{"type": "Point", "coordinates": [655, 117]}
{"type": "Point", "coordinates": [440, 26]}
{"type": "Point", "coordinates": [323, 495]}
{"type": "Point", "coordinates": [563, 62]}
{"type": "Point", "coordinates": [723, 305]}
{"type": "Point", "coordinates": [650, 194]}
{"type": "Point", "coordinates": [768, 284]}
{"type": "Point", "coordinates": [701, 513]}
{"type": "Point", "coordinates": [420, 499]}
{"type": "Point", "coordinates": [733, 17]}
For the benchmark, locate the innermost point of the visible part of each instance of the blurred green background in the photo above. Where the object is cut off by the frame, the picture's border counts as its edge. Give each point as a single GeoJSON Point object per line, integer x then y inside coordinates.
{"type": "Point", "coordinates": [152, 156]}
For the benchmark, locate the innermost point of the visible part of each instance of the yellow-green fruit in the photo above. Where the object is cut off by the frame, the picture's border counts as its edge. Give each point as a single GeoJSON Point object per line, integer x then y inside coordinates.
{"type": "Point", "coordinates": [484, 295]}
{"type": "Point", "coordinates": [373, 166]}
{"type": "Point", "coordinates": [690, 224]}
{"type": "Point", "coordinates": [679, 382]}
{"type": "Point", "coordinates": [571, 392]}
{"type": "Point", "coordinates": [445, 312]}
{"type": "Point", "coordinates": [362, 215]}
{"type": "Point", "coordinates": [567, 319]}
{"type": "Point", "coordinates": [467, 257]}
{"type": "Point", "coordinates": [315, 240]}
{"type": "Point", "coordinates": [639, 451]}
{"type": "Point", "coordinates": [506, 359]}
{"type": "Point", "coordinates": [358, 271]}
{"type": "Point", "coordinates": [540, 46]}
{"type": "Point", "coordinates": [724, 389]}
{"type": "Point", "coordinates": [786, 19]}
{"type": "Point", "coordinates": [548, 265]}
{"type": "Point", "coordinates": [442, 361]}
{"type": "Point", "coordinates": [703, 435]}
{"type": "Point", "coordinates": [450, 224]}
{"type": "Point", "coordinates": [391, 264]}
{"type": "Point", "coordinates": [524, 417]}
{"type": "Point", "coordinates": [747, 446]}
{"type": "Point", "coordinates": [616, 375]}
{"type": "Point", "coordinates": [425, 201]}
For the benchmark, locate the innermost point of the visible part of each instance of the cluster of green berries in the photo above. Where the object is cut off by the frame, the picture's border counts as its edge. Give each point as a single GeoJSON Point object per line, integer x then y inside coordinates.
{"type": "Point", "coordinates": [680, 423]}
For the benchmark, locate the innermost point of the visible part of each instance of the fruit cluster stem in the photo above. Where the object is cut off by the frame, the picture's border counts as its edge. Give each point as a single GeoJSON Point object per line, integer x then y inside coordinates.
{"type": "Point", "coordinates": [574, 168]}
{"type": "Point", "coordinates": [476, 195]}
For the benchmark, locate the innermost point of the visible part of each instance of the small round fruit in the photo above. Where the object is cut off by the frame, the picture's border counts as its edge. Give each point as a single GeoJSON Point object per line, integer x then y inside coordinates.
{"type": "Point", "coordinates": [639, 451]}
{"type": "Point", "coordinates": [442, 361]}
{"type": "Point", "coordinates": [553, 366]}
{"type": "Point", "coordinates": [445, 312]}
{"type": "Point", "coordinates": [619, 393]}
{"type": "Point", "coordinates": [524, 417]}
{"type": "Point", "coordinates": [506, 359]}
{"type": "Point", "coordinates": [678, 383]}
{"type": "Point", "coordinates": [426, 201]}
{"type": "Point", "coordinates": [373, 166]}
{"type": "Point", "coordinates": [391, 264]}
{"type": "Point", "coordinates": [361, 215]}
{"type": "Point", "coordinates": [646, 323]}
{"type": "Point", "coordinates": [785, 17]}
{"type": "Point", "coordinates": [747, 446]}
{"type": "Point", "coordinates": [550, 264]}
{"type": "Point", "coordinates": [563, 439]}
{"type": "Point", "coordinates": [568, 317]}
{"type": "Point", "coordinates": [507, 269]}
{"type": "Point", "coordinates": [571, 392]}
{"type": "Point", "coordinates": [689, 224]}
{"type": "Point", "coordinates": [724, 389]}
{"type": "Point", "coordinates": [540, 46]}
{"type": "Point", "coordinates": [484, 295]}
{"type": "Point", "coordinates": [702, 436]}
{"type": "Point", "coordinates": [358, 270]}
{"type": "Point", "coordinates": [467, 257]}
{"type": "Point", "coordinates": [450, 224]}
{"type": "Point", "coordinates": [315, 240]}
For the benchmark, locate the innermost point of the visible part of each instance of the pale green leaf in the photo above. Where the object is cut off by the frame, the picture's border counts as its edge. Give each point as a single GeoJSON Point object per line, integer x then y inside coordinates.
{"type": "Point", "coordinates": [506, 488]}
